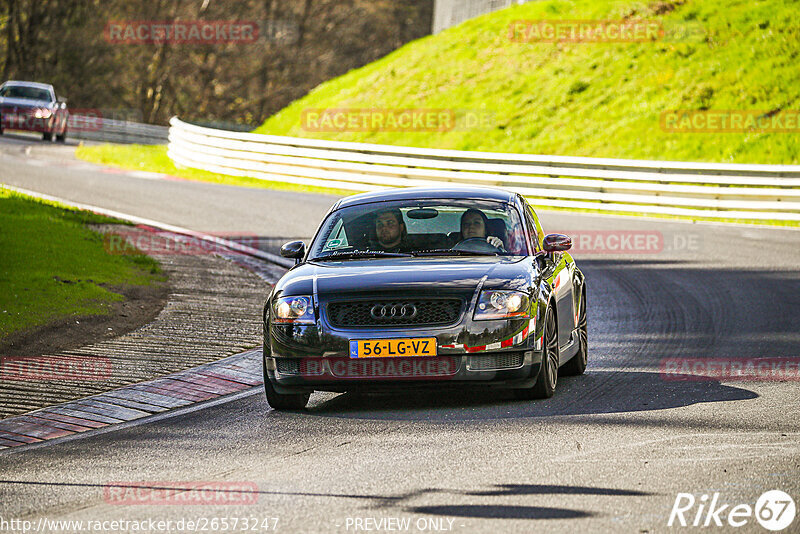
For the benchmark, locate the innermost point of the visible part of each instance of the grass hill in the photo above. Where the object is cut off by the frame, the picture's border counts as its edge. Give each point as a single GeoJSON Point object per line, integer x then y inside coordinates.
{"type": "Point", "coordinates": [586, 98]}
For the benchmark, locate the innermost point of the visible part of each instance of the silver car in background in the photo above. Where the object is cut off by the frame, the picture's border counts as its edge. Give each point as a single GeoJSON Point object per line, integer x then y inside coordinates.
{"type": "Point", "coordinates": [33, 107]}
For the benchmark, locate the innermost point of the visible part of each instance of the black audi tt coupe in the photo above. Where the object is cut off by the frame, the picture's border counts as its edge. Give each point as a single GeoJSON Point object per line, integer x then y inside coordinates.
{"type": "Point", "coordinates": [423, 287]}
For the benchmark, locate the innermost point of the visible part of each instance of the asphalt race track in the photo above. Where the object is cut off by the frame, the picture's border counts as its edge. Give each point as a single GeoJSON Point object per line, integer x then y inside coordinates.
{"type": "Point", "coordinates": [610, 452]}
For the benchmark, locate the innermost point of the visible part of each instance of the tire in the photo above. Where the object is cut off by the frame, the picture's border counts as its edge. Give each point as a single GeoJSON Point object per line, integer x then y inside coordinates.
{"type": "Point", "coordinates": [577, 365]}
{"type": "Point", "coordinates": [546, 380]}
{"type": "Point", "coordinates": [63, 137]}
{"type": "Point", "coordinates": [47, 136]}
{"type": "Point", "coordinates": [281, 401]}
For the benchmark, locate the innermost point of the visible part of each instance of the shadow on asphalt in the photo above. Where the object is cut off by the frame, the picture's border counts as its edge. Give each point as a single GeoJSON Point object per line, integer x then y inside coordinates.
{"type": "Point", "coordinates": [502, 490]}
{"type": "Point", "coordinates": [596, 392]}
{"type": "Point", "coordinates": [513, 511]}
{"type": "Point", "coordinates": [500, 511]}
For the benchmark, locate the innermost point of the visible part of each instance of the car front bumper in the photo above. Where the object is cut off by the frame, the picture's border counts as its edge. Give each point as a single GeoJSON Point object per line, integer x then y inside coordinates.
{"type": "Point", "coordinates": [500, 353]}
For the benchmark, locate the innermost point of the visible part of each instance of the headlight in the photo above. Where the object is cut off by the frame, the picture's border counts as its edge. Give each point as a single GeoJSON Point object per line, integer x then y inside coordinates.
{"type": "Point", "coordinates": [42, 113]}
{"type": "Point", "coordinates": [293, 310]}
{"type": "Point", "coordinates": [502, 305]}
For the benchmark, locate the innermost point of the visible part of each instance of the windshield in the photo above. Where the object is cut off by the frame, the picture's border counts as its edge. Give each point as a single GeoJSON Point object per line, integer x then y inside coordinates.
{"type": "Point", "coordinates": [25, 92]}
{"type": "Point", "coordinates": [421, 228]}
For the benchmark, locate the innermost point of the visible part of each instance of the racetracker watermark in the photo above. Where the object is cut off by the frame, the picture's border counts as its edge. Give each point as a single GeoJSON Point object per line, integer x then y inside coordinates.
{"type": "Point", "coordinates": [394, 120]}
{"type": "Point", "coordinates": [183, 32]}
{"type": "Point", "coordinates": [631, 242]}
{"type": "Point", "coordinates": [756, 369]}
{"type": "Point", "coordinates": [184, 493]}
{"type": "Point", "coordinates": [284, 31]}
{"type": "Point", "coordinates": [730, 121]}
{"type": "Point", "coordinates": [603, 31]}
{"type": "Point", "coordinates": [394, 368]}
{"type": "Point", "coordinates": [38, 120]}
{"type": "Point", "coordinates": [93, 119]}
{"type": "Point", "coordinates": [53, 368]}
{"type": "Point", "coordinates": [154, 242]}
{"type": "Point", "coordinates": [584, 31]}
{"type": "Point", "coordinates": [774, 510]}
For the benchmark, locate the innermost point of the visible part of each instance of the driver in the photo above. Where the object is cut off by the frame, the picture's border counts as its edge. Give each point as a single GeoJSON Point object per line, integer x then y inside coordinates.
{"type": "Point", "coordinates": [474, 224]}
{"type": "Point", "coordinates": [391, 230]}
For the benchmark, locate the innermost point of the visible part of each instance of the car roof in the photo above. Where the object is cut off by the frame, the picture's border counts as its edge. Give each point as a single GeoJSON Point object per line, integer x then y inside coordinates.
{"type": "Point", "coordinates": [29, 84]}
{"type": "Point", "coordinates": [421, 193]}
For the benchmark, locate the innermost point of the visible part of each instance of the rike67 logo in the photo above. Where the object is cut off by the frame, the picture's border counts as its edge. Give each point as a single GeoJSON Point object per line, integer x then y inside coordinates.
{"type": "Point", "coordinates": [774, 510]}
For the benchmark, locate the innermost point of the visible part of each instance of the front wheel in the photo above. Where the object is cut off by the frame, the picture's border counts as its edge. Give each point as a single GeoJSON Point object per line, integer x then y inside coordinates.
{"type": "Point", "coordinates": [63, 137]}
{"type": "Point", "coordinates": [283, 401]}
{"type": "Point", "coordinates": [545, 385]}
{"type": "Point", "coordinates": [47, 136]}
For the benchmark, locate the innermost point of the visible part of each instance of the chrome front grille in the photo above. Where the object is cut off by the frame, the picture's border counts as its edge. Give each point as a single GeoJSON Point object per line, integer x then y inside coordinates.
{"type": "Point", "coordinates": [396, 312]}
{"type": "Point", "coordinates": [492, 362]}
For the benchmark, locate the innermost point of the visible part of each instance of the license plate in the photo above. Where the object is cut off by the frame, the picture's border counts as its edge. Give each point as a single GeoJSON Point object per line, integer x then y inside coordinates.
{"type": "Point", "coordinates": [392, 348]}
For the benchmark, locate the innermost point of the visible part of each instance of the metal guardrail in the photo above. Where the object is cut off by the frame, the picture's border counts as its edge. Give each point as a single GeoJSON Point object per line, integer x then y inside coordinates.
{"type": "Point", "coordinates": [718, 190]}
{"type": "Point", "coordinates": [114, 131]}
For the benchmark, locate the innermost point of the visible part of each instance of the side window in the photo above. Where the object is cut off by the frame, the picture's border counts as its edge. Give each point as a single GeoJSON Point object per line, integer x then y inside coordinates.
{"type": "Point", "coordinates": [537, 234]}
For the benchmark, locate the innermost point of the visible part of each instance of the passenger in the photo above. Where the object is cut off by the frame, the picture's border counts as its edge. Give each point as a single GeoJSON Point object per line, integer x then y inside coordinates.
{"type": "Point", "coordinates": [475, 224]}
{"type": "Point", "coordinates": [391, 230]}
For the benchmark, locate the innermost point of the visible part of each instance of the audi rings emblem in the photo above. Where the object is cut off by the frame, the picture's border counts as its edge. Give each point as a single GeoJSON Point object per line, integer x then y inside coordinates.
{"type": "Point", "coordinates": [393, 311]}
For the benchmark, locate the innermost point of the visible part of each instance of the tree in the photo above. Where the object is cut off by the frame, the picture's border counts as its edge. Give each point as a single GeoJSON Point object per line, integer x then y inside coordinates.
{"type": "Point", "coordinates": [302, 43]}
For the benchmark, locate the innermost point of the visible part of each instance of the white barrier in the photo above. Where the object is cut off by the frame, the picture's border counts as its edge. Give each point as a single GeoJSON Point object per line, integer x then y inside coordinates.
{"type": "Point", "coordinates": [114, 131]}
{"type": "Point", "coordinates": [717, 190]}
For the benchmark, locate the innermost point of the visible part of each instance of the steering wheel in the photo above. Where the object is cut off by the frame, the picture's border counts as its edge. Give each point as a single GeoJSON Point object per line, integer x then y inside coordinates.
{"type": "Point", "coordinates": [476, 244]}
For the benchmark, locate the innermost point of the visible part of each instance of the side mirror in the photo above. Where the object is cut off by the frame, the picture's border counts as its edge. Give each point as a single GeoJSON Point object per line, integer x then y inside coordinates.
{"type": "Point", "coordinates": [556, 243]}
{"type": "Point", "coordinates": [294, 250]}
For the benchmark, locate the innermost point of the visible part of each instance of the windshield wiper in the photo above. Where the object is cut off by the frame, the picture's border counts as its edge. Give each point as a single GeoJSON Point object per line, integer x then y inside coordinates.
{"type": "Point", "coordinates": [361, 254]}
{"type": "Point", "coordinates": [452, 252]}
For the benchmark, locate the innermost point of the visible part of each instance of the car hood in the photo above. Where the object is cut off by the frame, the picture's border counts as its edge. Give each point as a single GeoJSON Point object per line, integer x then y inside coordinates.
{"type": "Point", "coordinates": [335, 279]}
{"type": "Point", "coordinates": [24, 102]}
